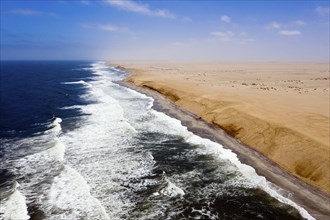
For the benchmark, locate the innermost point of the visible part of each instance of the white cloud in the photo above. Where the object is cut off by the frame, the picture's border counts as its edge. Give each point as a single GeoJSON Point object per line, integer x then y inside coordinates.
{"type": "Point", "coordinates": [109, 27]}
{"type": "Point", "coordinates": [323, 10]}
{"type": "Point", "coordinates": [274, 25]}
{"type": "Point", "coordinates": [105, 27]}
{"type": "Point", "coordinates": [186, 19]}
{"type": "Point", "coordinates": [139, 8]}
{"type": "Point", "coordinates": [227, 35]}
{"type": "Point", "coordinates": [87, 26]}
{"type": "Point", "coordinates": [289, 32]}
{"type": "Point", "coordinates": [300, 22]}
{"type": "Point", "coordinates": [241, 37]}
{"type": "Point", "coordinates": [86, 2]}
{"type": "Point", "coordinates": [243, 34]}
{"type": "Point", "coordinates": [225, 18]}
{"type": "Point", "coordinates": [27, 12]}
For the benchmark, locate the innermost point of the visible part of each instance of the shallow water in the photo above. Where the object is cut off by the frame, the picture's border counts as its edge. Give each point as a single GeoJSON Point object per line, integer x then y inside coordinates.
{"type": "Point", "coordinates": [100, 151]}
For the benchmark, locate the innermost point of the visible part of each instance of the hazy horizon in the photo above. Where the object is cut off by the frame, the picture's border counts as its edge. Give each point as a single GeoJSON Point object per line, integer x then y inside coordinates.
{"type": "Point", "coordinates": [165, 30]}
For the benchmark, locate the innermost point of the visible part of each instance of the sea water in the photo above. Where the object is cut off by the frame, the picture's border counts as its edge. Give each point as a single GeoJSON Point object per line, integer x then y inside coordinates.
{"type": "Point", "coordinates": [77, 145]}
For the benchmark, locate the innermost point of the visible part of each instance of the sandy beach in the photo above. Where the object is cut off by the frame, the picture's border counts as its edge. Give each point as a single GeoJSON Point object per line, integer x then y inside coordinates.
{"type": "Point", "coordinates": [279, 109]}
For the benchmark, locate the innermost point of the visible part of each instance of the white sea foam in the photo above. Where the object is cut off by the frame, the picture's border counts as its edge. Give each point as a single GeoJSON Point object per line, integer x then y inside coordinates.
{"type": "Point", "coordinates": [70, 198]}
{"type": "Point", "coordinates": [206, 213]}
{"type": "Point", "coordinates": [39, 163]}
{"type": "Point", "coordinates": [247, 171]}
{"type": "Point", "coordinates": [55, 127]}
{"type": "Point", "coordinates": [91, 150]}
{"type": "Point", "coordinates": [97, 151]}
{"type": "Point", "coordinates": [98, 148]}
{"type": "Point", "coordinates": [171, 189]}
{"type": "Point", "coordinates": [57, 124]}
{"type": "Point", "coordinates": [82, 68]}
{"type": "Point", "coordinates": [57, 151]}
{"type": "Point", "coordinates": [79, 82]}
{"type": "Point", "coordinates": [71, 107]}
{"type": "Point", "coordinates": [168, 125]}
{"type": "Point", "coordinates": [15, 206]}
{"type": "Point", "coordinates": [99, 68]}
{"type": "Point", "coordinates": [44, 159]}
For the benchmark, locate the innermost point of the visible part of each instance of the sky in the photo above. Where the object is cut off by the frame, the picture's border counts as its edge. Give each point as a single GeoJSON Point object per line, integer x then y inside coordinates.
{"type": "Point", "coordinates": [164, 30]}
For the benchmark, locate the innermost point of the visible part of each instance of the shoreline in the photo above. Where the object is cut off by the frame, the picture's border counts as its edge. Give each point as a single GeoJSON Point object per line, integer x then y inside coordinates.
{"type": "Point", "coordinates": [310, 198]}
{"type": "Point", "coordinates": [281, 110]}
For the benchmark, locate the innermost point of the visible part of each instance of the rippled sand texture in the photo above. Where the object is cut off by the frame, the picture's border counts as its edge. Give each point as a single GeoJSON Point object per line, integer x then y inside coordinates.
{"type": "Point", "coordinates": [280, 109]}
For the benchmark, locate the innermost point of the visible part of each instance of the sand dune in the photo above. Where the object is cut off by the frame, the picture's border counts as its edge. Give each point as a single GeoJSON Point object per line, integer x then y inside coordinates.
{"type": "Point", "coordinates": [279, 109]}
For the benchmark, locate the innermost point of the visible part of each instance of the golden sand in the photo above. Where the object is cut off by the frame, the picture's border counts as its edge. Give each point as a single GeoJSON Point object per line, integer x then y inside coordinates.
{"type": "Point", "coordinates": [279, 109]}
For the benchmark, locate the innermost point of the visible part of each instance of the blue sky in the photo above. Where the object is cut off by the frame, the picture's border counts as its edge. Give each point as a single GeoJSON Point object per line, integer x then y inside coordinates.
{"type": "Point", "coordinates": [165, 30]}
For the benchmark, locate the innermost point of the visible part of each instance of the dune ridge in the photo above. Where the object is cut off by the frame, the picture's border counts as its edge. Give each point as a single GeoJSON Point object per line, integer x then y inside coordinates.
{"type": "Point", "coordinates": [297, 140]}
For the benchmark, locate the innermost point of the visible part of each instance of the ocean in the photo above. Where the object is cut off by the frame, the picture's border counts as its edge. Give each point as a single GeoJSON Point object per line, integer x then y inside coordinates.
{"type": "Point", "coordinates": [75, 144]}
